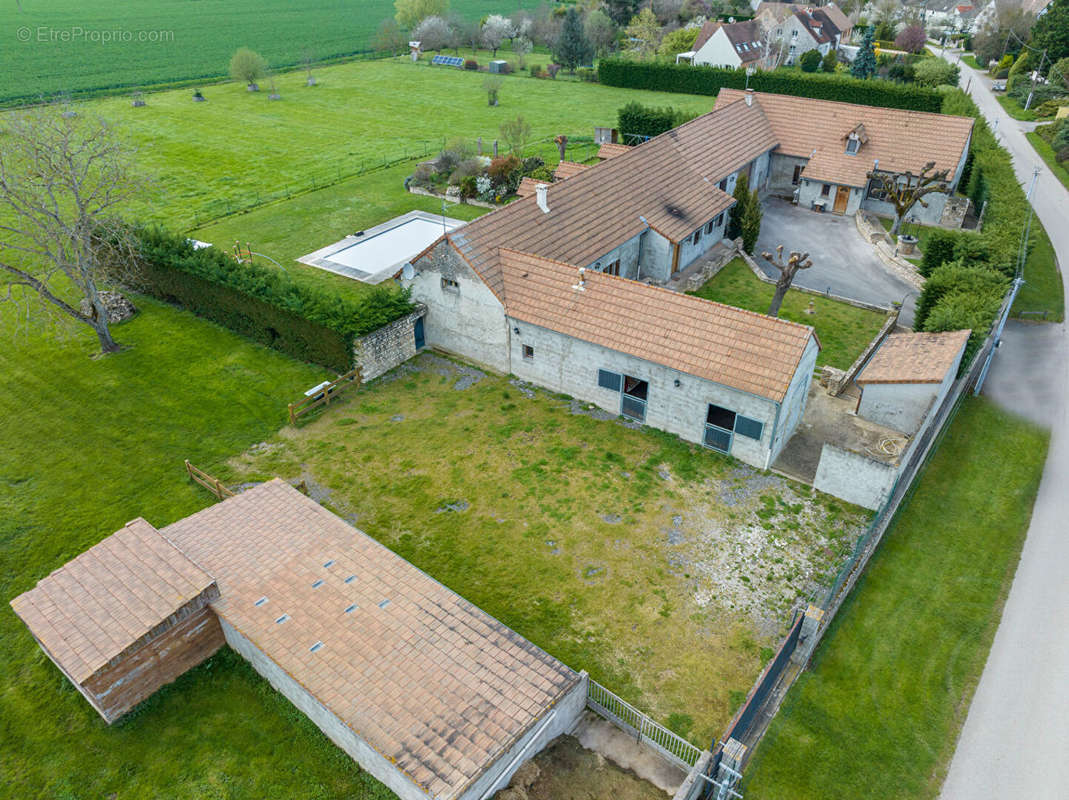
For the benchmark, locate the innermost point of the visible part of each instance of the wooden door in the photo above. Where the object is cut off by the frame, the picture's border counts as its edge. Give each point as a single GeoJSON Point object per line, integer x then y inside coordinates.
{"type": "Point", "coordinates": [842, 197]}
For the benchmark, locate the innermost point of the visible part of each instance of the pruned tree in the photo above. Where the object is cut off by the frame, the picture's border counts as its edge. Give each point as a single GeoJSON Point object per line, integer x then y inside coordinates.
{"type": "Point", "coordinates": [493, 85]}
{"type": "Point", "coordinates": [573, 48]}
{"type": "Point", "coordinates": [772, 42]}
{"type": "Point", "coordinates": [410, 13]}
{"type": "Point", "coordinates": [247, 66]}
{"type": "Point", "coordinates": [516, 133]}
{"type": "Point", "coordinates": [787, 270]}
{"type": "Point", "coordinates": [433, 33]}
{"type": "Point", "coordinates": [62, 179]}
{"type": "Point", "coordinates": [495, 31]}
{"type": "Point", "coordinates": [903, 196]}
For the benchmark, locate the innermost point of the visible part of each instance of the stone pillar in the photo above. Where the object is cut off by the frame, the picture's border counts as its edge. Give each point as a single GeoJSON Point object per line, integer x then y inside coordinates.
{"type": "Point", "coordinates": [730, 770]}
{"type": "Point", "coordinates": [807, 637]}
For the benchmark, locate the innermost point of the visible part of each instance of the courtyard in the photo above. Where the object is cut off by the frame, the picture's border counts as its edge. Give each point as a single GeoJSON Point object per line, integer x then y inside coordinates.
{"type": "Point", "coordinates": [665, 570]}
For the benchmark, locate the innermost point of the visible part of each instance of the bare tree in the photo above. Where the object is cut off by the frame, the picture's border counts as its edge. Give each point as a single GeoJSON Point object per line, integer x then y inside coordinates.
{"type": "Point", "coordinates": [903, 196]}
{"type": "Point", "coordinates": [61, 181]}
{"type": "Point", "coordinates": [787, 270]}
{"type": "Point", "coordinates": [772, 41]}
{"type": "Point", "coordinates": [516, 133]}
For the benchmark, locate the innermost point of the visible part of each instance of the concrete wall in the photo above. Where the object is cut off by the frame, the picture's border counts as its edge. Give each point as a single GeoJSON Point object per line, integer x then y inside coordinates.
{"type": "Point", "coordinates": [179, 643]}
{"type": "Point", "coordinates": [655, 257]}
{"type": "Point", "coordinates": [794, 402]}
{"type": "Point", "coordinates": [688, 251]}
{"type": "Point", "coordinates": [568, 365]}
{"type": "Point", "coordinates": [628, 253]}
{"type": "Point", "coordinates": [782, 171]}
{"type": "Point", "coordinates": [381, 350]}
{"type": "Point", "coordinates": [854, 477]}
{"type": "Point", "coordinates": [336, 730]}
{"type": "Point", "coordinates": [468, 320]}
{"type": "Point", "coordinates": [561, 719]}
{"type": "Point", "coordinates": [926, 216]}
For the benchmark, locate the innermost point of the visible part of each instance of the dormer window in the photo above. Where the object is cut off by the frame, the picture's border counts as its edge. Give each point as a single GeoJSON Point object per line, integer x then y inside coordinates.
{"type": "Point", "coordinates": [853, 144]}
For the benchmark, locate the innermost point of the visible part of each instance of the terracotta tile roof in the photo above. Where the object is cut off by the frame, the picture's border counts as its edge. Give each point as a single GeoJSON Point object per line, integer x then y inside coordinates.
{"type": "Point", "coordinates": [105, 600]}
{"type": "Point", "coordinates": [746, 351]}
{"type": "Point", "coordinates": [745, 37]}
{"type": "Point", "coordinates": [900, 140]}
{"type": "Point", "coordinates": [527, 187]}
{"type": "Point", "coordinates": [566, 169]}
{"type": "Point", "coordinates": [914, 358]}
{"type": "Point", "coordinates": [668, 183]}
{"type": "Point", "coordinates": [426, 678]}
{"type": "Point", "coordinates": [817, 23]}
{"type": "Point", "coordinates": [838, 18]}
{"type": "Point", "coordinates": [781, 11]}
{"type": "Point", "coordinates": [611, 150]}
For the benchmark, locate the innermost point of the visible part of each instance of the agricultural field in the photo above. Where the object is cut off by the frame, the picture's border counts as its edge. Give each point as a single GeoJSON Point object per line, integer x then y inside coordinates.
{"type": "Point", "coordinates": [76, 46]}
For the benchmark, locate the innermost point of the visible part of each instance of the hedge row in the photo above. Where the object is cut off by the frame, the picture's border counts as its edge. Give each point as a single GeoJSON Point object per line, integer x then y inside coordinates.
{"type": "Point", "coordinates": [262, 303]}
{"type": "Point", "coordinates": [640, 120]}
{"type": "Point", "coordinates": [710, 80]}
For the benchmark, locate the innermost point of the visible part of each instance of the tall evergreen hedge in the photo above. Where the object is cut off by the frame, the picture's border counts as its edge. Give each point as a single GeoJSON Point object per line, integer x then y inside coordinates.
{"type": "Point", "coordinates": [261, 302]}
{"type": "Point", "coordinates": [710, 80]}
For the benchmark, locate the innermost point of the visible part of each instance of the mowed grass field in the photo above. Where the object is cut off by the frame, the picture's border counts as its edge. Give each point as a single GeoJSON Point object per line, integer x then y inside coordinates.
{"type": "Point", "coordinates": [52, 46]}
{"type": "Point", "coordinates": [240, 148]}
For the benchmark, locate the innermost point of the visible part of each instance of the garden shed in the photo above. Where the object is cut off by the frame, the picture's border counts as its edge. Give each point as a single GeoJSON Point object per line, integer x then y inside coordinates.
{"type": "Point", "coordinates": [428, 693]}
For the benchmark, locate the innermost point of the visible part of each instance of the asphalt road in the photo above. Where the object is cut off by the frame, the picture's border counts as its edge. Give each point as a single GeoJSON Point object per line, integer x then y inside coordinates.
{"type": "Point", "coordinates": [1015, 741]}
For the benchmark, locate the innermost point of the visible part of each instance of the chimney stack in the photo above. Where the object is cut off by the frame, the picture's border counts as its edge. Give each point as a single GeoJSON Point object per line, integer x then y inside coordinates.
{"type": "Point", "coordinates": [581, 286]}
{"type": "Point", "coordinates": [542, 192]}
{"type": "Point", "coordinates": [749, 97]}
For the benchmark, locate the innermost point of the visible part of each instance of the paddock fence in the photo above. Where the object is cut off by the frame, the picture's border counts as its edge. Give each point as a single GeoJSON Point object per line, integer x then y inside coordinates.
{"type": "Point", "coordinates": [625, 716]}
{"type": "Point", "coordinates": [323, 394]}
{"type": "Point", "coordinates": [212, 484]}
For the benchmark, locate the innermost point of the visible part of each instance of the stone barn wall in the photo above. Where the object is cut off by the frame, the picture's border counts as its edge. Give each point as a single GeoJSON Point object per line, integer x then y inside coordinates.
{"type": "Point", "coordinates": [391, 345]}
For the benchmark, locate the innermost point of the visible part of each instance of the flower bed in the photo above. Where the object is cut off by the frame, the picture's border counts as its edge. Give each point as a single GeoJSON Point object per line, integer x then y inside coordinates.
{"type": "Point", "coordinates": [459, 174]}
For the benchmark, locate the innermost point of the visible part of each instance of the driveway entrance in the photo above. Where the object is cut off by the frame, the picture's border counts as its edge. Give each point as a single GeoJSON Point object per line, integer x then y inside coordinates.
{"type": "Point", "coordinates": [843, 262]}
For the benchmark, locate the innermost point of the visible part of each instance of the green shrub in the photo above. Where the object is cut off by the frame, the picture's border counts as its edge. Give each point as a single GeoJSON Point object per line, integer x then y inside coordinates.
{"type": "Point", "coordinates": [710, 80]}
{"type": "Point", "coordinates": [471, 64]}
{"type": "Point", "coordinates": [962, 310]}
{"type": "Point", "coordinates": [938, 250]}
{"type": "Point", "coordinates": [737, 211]}
{"type": "Point", "coordinates": [810, 61]}
{"type": "Point", "coordinates": [751, 223]}
{"type": "Point", "coordinates": [637, 119]}
{"type": "Point", "coordinates": [261, 302]}
{"type": "Point", "coordinates": [936, 72]}
{"type": "Point", "coordinates": [956, 278]}
{"type": "Point", "coordinates": [830, 61]}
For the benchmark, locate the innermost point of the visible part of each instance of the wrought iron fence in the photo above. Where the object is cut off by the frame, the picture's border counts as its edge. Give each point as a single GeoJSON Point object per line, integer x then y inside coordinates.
{"type": "Point", "coordinates": [626, 716]}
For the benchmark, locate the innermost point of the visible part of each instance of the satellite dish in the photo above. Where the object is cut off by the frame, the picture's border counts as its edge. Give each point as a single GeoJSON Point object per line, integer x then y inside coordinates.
{"type": "Point", "coordinates": [408, 272]}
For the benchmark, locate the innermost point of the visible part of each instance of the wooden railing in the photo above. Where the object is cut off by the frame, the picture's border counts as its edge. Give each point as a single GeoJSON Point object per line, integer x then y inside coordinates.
{"type": "Point", "coordinates": [208, 482]}
{"type": "Point", "coordinates": [323, 395]}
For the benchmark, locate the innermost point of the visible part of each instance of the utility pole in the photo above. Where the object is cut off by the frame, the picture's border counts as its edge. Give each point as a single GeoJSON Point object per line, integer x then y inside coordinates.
{"type": "Point", "coordinates": [1035, 73]}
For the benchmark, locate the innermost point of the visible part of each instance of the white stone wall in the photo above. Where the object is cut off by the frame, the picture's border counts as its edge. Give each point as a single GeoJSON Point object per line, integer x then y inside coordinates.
{"type": "Point", "coordinates": [794, 402]}
{"type": "Point", "coordinates": [718, 51]}
{"type": "Point", "coordinates": [564, 717]}
{"type": "Point", "coordinates": [336, 730]}
{"type": "Point", "coordinates": [467, 320]}
{"type": "Point", "coordinates": [385, 348]}
{"type": "Point", "coordinates": [655, 257]}
{"type": "Point", "coordinates": [628, 253]}
{"type": "Point", "coordinates": [782, 172]}
{"type": "Point", "coordinates": [567, 365]}
{"type": "Point", "coordinates": [810, 191]}
{"type": "Point", "coordinates": [688, 251]}
{"type": "Point", "coordinates": [854, 477]}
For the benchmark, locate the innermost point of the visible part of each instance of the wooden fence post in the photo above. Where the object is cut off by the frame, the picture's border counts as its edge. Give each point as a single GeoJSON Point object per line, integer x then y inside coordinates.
{"type": "Point", "coordinates": [293, 419]}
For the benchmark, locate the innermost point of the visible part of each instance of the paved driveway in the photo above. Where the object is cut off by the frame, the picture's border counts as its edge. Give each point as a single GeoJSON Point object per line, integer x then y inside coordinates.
{"type": "Point", "coordinates": [843, 263]}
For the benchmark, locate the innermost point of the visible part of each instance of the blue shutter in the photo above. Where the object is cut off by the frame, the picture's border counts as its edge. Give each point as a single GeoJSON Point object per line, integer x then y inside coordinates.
{"type": "Point", "coordinates": [750, 428]}
{"type": "Point", "coordinates": [610, 380]}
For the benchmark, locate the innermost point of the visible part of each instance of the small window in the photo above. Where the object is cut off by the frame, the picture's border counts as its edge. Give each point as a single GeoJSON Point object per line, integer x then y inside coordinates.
{"type": "Point", "coordinates": [717, 439]}
{"type": "Point", "coordinates": [697, 236]}
{"type": "Point", "coordinates": [825, 190]}
{"type": "Point", "coordinates": [613, 268]}
{"type": "Point", "coordinates": [328, 564]}
{"type": "Point", "coordinates": [450, 285]}
{"type": "Point", "coordinates": [350, 609]}
{"type": "Point", "coordinates": [750, 428]}
{"type": "Point", "coordinates": [282, 619]}
{"type": "Point", "coordinates": [609, 380]}
{"type": "Point", "coordinates": [260, 602]}
{"type": "Point", "coordinates": [852, 145]}
{"type": "Point", "coordinates": [317, 584]}
{"type": "Point", "coordinates": [797, 175]}
{"type": "Point", "coordinates": [350, 579]}
{"type": "Point", "coordinates": [719, 220]}
{"type": "Point", "coordinates": [709, 227]}
{"type": "Point", "coordinates": [528, 353]}
{"type": "Point", "coordinates": [636, 387]}
{"type": "Point", "coordinates": [723, 185]}
{"type": "Point", "coordinates": [721, 417]}
{"type": "Point", "coordinates": [316, 647]}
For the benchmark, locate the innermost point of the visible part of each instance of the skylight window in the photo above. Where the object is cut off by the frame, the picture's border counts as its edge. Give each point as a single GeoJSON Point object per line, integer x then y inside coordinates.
{"type": "Point", "coordinates": [317, 584]}
{"type": "Point", "coordinates": [317, 646]}
{"type": "Point", "coordinates": [350, 579]}
{"type": "Point", "coordinates": [260, 602]}
{"type": "Point", "coordinates": [329, 564]}
{"type": "Point", "coordinates": [351, 609]}
{"type": "Point", "coordinates": [282, 619]}
{"type": "Point", "coordinates": [384, 603]}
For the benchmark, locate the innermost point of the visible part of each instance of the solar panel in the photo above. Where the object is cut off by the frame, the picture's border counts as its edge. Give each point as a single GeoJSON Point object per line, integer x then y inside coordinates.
{"type": "Point", "coordinates": [448, 61]}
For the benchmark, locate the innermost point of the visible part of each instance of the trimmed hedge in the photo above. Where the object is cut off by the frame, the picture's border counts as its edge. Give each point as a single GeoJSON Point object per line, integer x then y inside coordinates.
{"type": "Point", "coordinates": [262, 303]}
{"type": "Point", "coordinates": [710, 80]}
{"type": "Point", "coordinates": [637, 119]}
{"type": "Point", "coordinates": [956, 297]}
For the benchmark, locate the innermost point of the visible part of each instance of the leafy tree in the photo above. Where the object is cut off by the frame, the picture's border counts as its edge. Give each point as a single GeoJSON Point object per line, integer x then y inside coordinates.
{"type": "Point", "coordinates": [810, 61]}
{"type": "Point", "coordinates": [516, 133]}
{"type": "Point", "coordinates": [864, 65]}
{"type": "Point", "coordinates": [1051, 31]}
{"type": "Point", "coordinates": [600, 30]}
{"type": "Point", "coordinates": [496, 30]}
{"type": "Point", "coordinates": [912, 39]}
{"type": "Point", "coordinates": [572, 48]}
{"type": "Point", "coordinates": [829, 62]}
{"type": "Point", "coordinates": [904, 195]}
{"type": "Point", "coordinates": [62, 182]}
{"type": "Point", "coordinates": [389, 38]}
{"type": "Point", "coordinates": [737, 211]}
{"type": "Point", "coordinates": [433, 33]}
{"type": "Point", "coordinates": [644, 33]}
{"type": "Point", "coordinates": [750, 225]}
{"type": "Point", "coordinates": [622, 11]}
{"type": "Point", "coordinates": [681, 40]}
{"type": "Point", "coordinates": [885, 31]}
{"type": "Point", "coordinates": [409, 13]}
{"type": "Point", "coordinates": [1006, 30]}
{"type": "Point", "coordinates": [1059, 73]}
{"type": "Point", "coordinates": [247, 66]}
{"type": "Point", "coordinates": [936, 72]}
{"type": "Point", "coordinates": [521, 46]}
{"type": "Point", "coordinates": [667, 11]}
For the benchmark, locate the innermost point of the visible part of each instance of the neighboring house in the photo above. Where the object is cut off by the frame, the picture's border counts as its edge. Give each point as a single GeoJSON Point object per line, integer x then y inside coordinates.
{"type": "Point", "coordinates": [825, 150]}
{"type": "Point", "coordinates": [805, 28]}
{"type": "Point", "coordinates": [429, 694]}
{"type": "Point", "coordinates": [733, 45]}
{"type": "Point", "coordinates": [566, 169]}
{"type": "Point", "coordinates": [548, 288]}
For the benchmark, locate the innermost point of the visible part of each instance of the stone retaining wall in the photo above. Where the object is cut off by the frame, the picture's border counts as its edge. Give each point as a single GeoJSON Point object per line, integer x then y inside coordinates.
{"type": "Point", "coordinates": [387, 347]}
{"type": "Point", "coordinates": [870, 228]}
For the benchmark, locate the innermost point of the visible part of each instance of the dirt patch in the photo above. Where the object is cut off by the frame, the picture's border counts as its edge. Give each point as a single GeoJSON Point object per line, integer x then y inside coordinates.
{"type": "Point", "coordinates": [568, 771]}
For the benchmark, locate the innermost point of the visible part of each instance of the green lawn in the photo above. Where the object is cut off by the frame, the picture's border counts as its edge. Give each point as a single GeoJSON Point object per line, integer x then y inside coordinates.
{"type": "Point", "coordinates": [664, 569]}
{"type": "Point", "coordinates": [970, 60]}
{"type": "Point", "coordinates": [160, 41]}
{"type": "Point", "coordinates": [1042, 290]}
{"type": "Point", "coordinates": [1046, 152]}
{"type": "Point", "coordinates": [89, 444]}
{"type": "Point", "coordinates": [844, 330]}
{"type": "Point", "coordinates": [877, 714]}
{"type": "Point", "coordinates": [239, 148]}
{"type": "Point", "coordinates": [1015, 109]}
